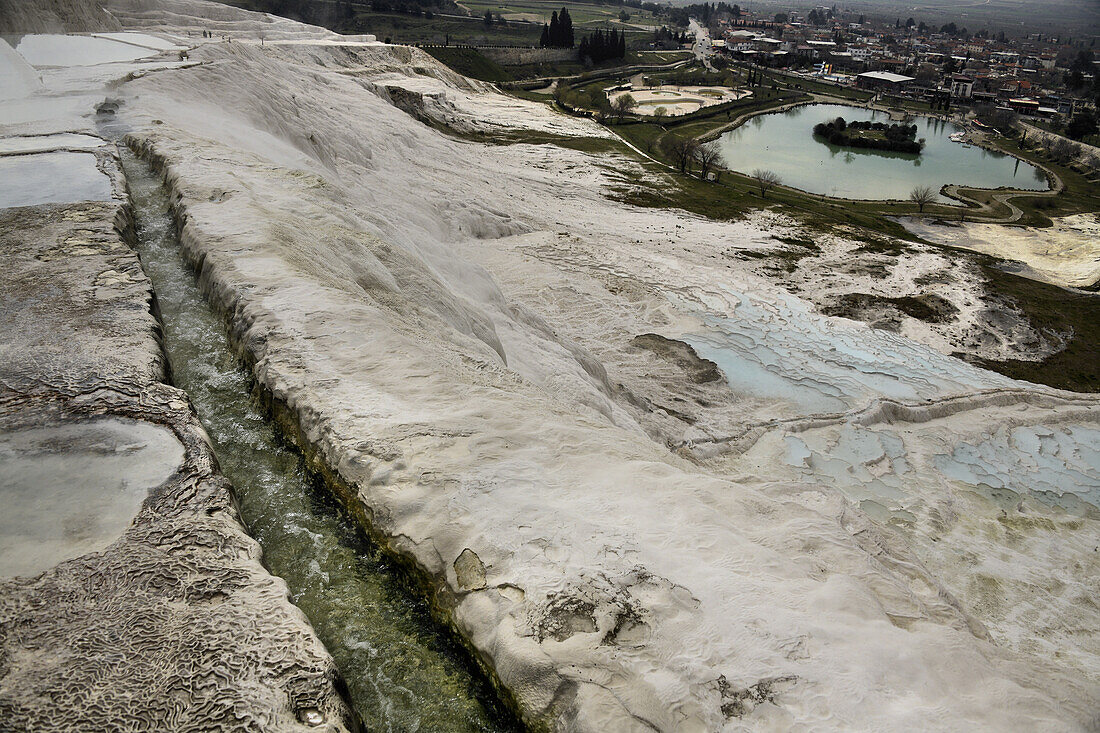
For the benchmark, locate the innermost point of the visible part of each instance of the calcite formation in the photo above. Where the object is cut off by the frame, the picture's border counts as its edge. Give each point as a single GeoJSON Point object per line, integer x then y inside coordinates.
{"type": "Point", "coordinates": [509, 374]}
{"type": "Point", "coordinates": [463, 333]}
{"type": "Point", "coordinates": [138, 602]}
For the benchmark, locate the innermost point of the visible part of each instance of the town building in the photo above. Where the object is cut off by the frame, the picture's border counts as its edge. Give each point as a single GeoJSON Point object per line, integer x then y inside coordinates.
{"type": "Point", "coordinates": [883, 81]}
{"type": "Point", "coordinates": [962, 86]}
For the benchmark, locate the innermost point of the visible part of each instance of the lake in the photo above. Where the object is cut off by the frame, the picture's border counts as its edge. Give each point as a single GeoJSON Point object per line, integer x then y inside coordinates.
{"type": "Point", "coordinates": [784, 142]}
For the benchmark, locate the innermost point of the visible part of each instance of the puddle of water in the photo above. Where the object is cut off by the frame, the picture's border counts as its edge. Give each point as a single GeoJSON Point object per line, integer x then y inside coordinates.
{"type": "Point", "coordinates": [41, 143]}
{"type": "Point", "coordinates": [51, 178]}
{"type": "Point", "coordinates": [824, 365]}
{"type": "Point", "coordinates": [73, 489]}
{"type": "Point", "coordinates": [404, 672]}
{"type": "Point", "coordinates": [1058, 465]}
{"type": "Point", "coordinates": [47, 49]}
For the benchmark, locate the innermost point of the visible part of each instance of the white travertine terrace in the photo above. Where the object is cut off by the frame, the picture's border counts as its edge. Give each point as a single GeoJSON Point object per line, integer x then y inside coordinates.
{"type": "Point", "coordinates": [452, 325]}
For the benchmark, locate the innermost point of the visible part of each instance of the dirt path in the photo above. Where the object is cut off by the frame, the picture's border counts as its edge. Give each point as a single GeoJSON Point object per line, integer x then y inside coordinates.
{"type": "Point", "coordinates": [1003, 198]}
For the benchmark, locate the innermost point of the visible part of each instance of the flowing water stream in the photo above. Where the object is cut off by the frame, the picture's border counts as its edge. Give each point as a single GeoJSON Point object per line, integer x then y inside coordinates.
{"type": "Point", "coordinates": [404, 672]}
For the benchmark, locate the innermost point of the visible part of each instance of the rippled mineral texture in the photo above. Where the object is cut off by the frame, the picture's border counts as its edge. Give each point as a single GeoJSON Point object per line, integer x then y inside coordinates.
{"type": "Point", "coordinates": [515, 375]}
{"type": "Point", "coordinates": [132, 597]}
{"type": "Point", "coordinates": [651, 488]}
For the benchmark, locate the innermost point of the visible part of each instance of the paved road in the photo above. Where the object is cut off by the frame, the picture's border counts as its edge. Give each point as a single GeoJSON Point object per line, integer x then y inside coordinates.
{"type": "Point", "coordinates": [702, 48]}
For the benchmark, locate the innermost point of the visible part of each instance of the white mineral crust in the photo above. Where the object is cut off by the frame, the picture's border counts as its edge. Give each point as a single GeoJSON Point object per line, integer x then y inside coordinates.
{"type": "Point", "coordinates": [843, 535]}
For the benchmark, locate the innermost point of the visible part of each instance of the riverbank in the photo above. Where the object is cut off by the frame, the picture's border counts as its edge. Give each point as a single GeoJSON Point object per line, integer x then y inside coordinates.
{"type": "Point", "coordinates": [979, 204]}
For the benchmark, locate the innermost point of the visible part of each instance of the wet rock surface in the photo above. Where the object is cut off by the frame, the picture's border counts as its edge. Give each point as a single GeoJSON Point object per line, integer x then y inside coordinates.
{"type": "Point", "coordinates": [159, 614]}
{"type": "Point", "coordinates": [71, 489]}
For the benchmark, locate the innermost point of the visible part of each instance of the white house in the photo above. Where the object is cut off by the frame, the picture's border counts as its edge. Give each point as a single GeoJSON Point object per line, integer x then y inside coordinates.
{"type": "Point", "coordinates": [962, 86]}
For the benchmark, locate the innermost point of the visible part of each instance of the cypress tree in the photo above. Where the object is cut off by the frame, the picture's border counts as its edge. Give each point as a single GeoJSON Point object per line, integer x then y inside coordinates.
{"type": "Point", "coordinates": [554, 32]}
{"type": "Point", "coordinates": [545, 40]}
{"type": "Point", "coordinates": [566, 28]}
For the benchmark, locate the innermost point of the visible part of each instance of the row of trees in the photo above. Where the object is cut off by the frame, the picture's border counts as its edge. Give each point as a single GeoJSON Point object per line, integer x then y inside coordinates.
{"type": "Point", "coordinates": [703, 12]}
{"type": "Point", "coordinates": [754, 77]}
{"type": "Point", "coordinates": [559, 32]}
{"type": "Point", "coordinates": [666, 39]}
{"type": "Point", "coordinates": [686, 152]}
{"type": "Point", "coordinates": [600, 46]}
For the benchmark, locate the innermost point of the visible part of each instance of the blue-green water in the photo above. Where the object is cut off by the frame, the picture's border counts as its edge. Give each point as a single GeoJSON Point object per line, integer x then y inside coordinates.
{"type": "Point", "coordinates": [784, 142]}
{"type": "Point", "coordinates": [404, 672]}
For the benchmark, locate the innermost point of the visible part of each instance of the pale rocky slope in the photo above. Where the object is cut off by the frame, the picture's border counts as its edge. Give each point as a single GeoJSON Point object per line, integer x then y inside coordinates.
{"type": "Point", "coordinates": [131, 597]}
{"type": "Point", "coordinates": [628, 542]}
{"type": "Point", "coordinates": [451, 324]}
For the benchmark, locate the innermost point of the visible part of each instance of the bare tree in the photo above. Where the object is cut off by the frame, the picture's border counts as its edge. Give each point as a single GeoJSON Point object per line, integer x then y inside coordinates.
{"type": "Point", "coordinates": [623, 104]}
{"type": "Point", "coordinates": [765, 180]}
{"type": "Point", "coordinates": [922, 196]}
{"type": "Point", "coordinates": [1092, 162]}
{"type": "Point", "coordinates": [1064, 151]}
{"type": "Point", "coordinates": [682, 150]}
{"type": "Point", "coordinates": [709, 158]}
{"type": "Point", "coordinates": [659, 115]}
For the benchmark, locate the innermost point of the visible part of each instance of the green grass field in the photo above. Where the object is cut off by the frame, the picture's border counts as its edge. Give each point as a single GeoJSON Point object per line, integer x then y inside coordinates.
{"type": "Point", "coordinates": [470, 62]}
{"type": "Point", "coordinates": [411, 29]}
{"type": "Point", "coordinates": [583, 14]}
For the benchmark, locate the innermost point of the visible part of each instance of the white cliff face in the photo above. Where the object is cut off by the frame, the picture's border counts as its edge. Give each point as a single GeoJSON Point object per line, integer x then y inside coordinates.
{"type": "Point", "coordinates": [808, 542]}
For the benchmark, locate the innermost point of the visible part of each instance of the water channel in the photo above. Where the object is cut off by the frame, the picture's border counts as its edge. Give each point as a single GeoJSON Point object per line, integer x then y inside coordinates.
{"type": "Point", "coordinates": [784, 142]}
{"type": "Point", "coordinates": [404, 672]}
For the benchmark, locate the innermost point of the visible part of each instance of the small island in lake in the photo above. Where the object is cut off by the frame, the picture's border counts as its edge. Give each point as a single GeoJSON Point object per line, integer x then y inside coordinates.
{"type": "Point", "coordinates": [899, 137]}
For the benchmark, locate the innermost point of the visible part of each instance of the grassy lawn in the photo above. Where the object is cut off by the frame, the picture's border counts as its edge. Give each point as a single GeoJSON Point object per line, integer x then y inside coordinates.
{"type": "Point", "coordinates": [583, 14]}
{"type": "Point", "coordinates": [817, 87]}
{"type": "Point", "coordinates": [663, 57]}
{"type": "Point", "coordinates": [1077, 367]}
{"type": "Point", "coordinates": [412, 29]}
{"type": "Point", "coordinates": [1078, 196]}
{"type": "Point", "coordinates": [557, 69]}
{"type": "Point", "coordinates": [470, 62]}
